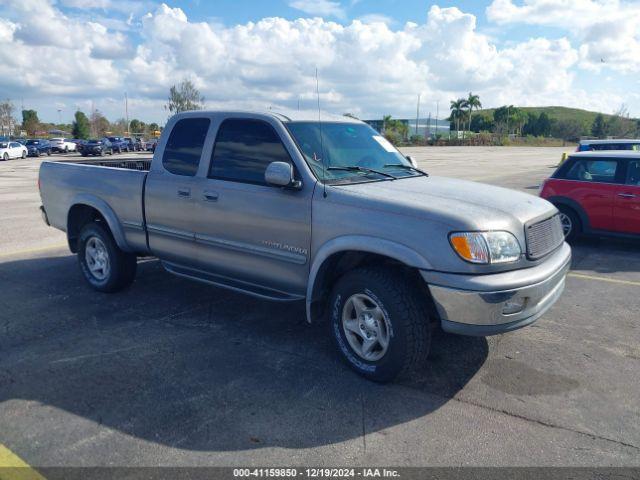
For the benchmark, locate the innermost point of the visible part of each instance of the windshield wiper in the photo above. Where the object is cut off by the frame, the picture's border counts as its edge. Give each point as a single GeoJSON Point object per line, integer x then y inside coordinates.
{"type": "Point", "coordinates": [355, 168]}
{"type": "Point", "coordinates": [407, 167]}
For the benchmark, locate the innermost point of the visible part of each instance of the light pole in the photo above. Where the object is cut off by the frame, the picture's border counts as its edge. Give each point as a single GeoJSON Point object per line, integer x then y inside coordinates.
{"type": "Point", "coordinates": [126, 112]}
{"type": "Point", "coordinates": [418, 115]}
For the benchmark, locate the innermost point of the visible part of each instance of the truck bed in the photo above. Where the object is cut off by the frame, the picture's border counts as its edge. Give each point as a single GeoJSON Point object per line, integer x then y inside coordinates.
{"type": "Point", "coordinates": [114, 187]}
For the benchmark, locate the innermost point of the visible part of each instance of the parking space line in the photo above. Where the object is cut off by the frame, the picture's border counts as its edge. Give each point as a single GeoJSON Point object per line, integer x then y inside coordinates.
{"type": "Point", "coordinates": [32, 250]}
{"type": "Point", "coordinates": [604, 279]}
{"type": "Point", "coordinates": [13, 467]}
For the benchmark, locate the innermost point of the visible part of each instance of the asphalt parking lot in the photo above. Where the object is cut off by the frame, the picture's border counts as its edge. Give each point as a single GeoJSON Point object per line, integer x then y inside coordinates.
{"type": "Point", "coordinates": [177, 373]}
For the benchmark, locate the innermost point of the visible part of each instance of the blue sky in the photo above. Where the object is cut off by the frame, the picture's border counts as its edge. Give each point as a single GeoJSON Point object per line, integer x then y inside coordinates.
{"type": "Point", "coordinates": [374, 56]}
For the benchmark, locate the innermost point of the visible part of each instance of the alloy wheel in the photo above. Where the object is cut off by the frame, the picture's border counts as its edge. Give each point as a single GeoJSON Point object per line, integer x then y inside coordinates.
{"type": "Point", "coordinates": [366, 327]}
{"type": "Point", "coordinates": [97, 258]}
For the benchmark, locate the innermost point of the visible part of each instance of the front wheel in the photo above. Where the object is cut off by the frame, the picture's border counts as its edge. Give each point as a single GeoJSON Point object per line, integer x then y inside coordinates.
{"type": "Point", "coordinates": [5, 157]}
{"type": "Point", "coordinates": [48, 153]}
{"type": "Point", "coordinates": [24, 155]}
{"type": "Point", "coordinates": [103, 264]}
{"type": "Point", "coordinates": [380, 323]}
{"type": "Point", "coordinates": [571, 224]}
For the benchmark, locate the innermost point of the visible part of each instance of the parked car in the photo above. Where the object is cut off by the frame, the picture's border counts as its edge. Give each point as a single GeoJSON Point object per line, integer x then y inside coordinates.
{"type": "Point", "coordinates": [79, 143]}
{"type": "Point", "coordinates": [131, 144]}
{"type": "Point", "coordinates": [62, 145]}
{"type": "Point", "coordinates": [151, 145]}
{"type": "Point", "coordinates": [597, 193]}
{"type": "Point", "coordinates": [100, 147]}
{"type": "Point", "coordinates": [10, 150]}
{"type": "Point", "coordinates": [283, 208]}
{"type": "Point", "coordinates": [37, 147]}
{"type": "Point", "coordinates": [119, 144]}
{"type": "Point", "coordinates": [141, 144]}
{"type": "Point", "coordinates": [616, 144]}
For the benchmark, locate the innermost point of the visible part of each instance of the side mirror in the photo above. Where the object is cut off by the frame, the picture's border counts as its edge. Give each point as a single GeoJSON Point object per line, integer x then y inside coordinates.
{"type": "Point", "coordinates": [280, 174]}
{"type": "Point", "coordinates": [412, 161]}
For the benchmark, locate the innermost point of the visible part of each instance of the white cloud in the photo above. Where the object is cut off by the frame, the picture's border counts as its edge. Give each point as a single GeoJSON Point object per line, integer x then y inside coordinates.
{"type": "Point", "coordinates": [377, 18]}
{"type": "Point", "coordinates": [365, 67]}
{"type": "Point", "coordinates": [323, 8]}
{"type": "Point", "coordinates": [607, 30]}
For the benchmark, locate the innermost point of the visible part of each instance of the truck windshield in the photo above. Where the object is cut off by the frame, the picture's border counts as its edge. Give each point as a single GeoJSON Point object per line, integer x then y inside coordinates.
{"type": "Point", "coordinates": [349, 152]}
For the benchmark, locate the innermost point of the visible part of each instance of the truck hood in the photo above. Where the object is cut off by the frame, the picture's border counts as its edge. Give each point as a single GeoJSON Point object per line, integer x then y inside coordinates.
{"type": "Point", "coordinates": [461, 204]}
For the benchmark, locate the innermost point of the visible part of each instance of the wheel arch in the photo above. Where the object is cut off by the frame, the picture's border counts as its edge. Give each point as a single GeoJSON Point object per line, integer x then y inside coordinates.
{"type": "Point", "coordinates": [88, 208]}
{"type": "Point", "coordinates": [345, 253]}
{"type": "Point", "coordinates": [558, 201]}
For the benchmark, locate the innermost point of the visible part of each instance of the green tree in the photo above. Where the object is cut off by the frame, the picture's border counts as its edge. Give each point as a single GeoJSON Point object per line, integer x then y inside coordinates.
{"type": "Point", "coordinates": [184, 97]}
{"type": "Point", "coordinates": [567, 130]}
{"type": "Point", "coordinates": [81, 127]}
{"type": "Point", "coordinates": [599, 126]}
{"type": "Point", "coordinates": [473, 103]}
{"type": "Point", "coordinates": [481, 123]}
{"type": "Point", "coordinates": [394, 130]}
{"type": "Point", "coordinates": [543, 125]}
{"type": "Point", "coordinates": [457, 108]}
{"type": "Point", "coordinates": [136, 126]}
{"type": "Point", "coordinates": [620, 125]}
{"type": "Point", "coordinates": [30, 121]}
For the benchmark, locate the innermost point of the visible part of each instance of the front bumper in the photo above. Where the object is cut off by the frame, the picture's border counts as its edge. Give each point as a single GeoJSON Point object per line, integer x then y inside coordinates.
{"type": "Point", "coordinates": [475, 304]}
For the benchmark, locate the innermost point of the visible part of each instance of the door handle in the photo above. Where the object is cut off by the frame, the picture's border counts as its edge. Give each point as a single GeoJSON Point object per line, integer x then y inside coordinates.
{"type": "Point", "coordinates": [626, 195]}
{"type": "Point", "coordinates": [210, 196]}
{"type": "Point", "coordinates": [184, 192]}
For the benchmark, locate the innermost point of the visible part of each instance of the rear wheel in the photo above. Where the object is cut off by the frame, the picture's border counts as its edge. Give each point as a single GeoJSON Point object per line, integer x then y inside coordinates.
{"type": "Point", "coordinates": [24, 154]}
{"type": "Point", "coordinates": [571, 224]}
{"type": "Point", "coordinates": [103, 264]}
{"type": "Point", "coordinates": [380, 323]}
{"type": "Point", "coordinates": [49, 153]}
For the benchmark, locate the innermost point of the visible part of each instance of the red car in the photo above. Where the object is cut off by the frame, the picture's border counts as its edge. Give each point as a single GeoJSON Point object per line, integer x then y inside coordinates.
{"type": "Point", "coordinates": [597, 193]}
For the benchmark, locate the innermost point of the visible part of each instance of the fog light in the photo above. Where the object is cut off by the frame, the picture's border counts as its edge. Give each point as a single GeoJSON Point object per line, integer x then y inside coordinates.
{"type": "Point", "coordinates": [515, 305]}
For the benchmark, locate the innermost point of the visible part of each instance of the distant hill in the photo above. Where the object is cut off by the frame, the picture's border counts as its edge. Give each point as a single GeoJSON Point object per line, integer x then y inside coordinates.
{"type": "Point", "coordinates": [585, 117]}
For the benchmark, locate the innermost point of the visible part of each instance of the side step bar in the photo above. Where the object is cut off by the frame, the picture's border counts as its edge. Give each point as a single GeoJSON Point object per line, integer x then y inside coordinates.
{"type": "Point", "coordinates": [231, 284]}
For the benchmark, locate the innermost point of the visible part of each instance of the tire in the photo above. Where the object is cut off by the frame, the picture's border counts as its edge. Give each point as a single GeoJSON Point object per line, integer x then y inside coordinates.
{"type": "Point", "coordinates": [66, 149]}
{"type": "Point", "coordinates": [5, 157]}
{"type": "Point", "coordinates": [571, 223]}
{"type": "Point", "coordinates": [37, 153]}
{"type": "Point", "coordinates": [24, 155]}
{"type": "Point", "coordinates": [102, 153]}
{"type": "Point", "coordinates": [115, 269]}
{"type": "Point", "coordinates": [401, 308]}
{"type": "Point", "coordinates": [48, 153]}
{"type": "Point", "coordinates": [85, 154]}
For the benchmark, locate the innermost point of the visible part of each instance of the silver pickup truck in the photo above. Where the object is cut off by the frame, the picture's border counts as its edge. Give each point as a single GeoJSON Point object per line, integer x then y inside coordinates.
{"type": "Point", "coordinates": [289, 207]}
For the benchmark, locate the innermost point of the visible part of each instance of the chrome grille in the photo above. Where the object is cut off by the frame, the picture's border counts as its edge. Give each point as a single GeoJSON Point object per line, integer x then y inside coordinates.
{"type": "Point", "coordinates": [544, 237]}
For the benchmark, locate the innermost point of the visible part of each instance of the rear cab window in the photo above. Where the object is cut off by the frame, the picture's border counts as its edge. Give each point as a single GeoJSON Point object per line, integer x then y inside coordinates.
{"type": "Point", "coordinates": [183, 150]}
{"type": "Point", "coordinates": [243, 149]}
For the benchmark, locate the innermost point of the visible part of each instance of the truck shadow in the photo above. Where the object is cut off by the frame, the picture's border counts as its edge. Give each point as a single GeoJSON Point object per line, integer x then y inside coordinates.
{"type": "Point", "coordinates": [193, 367]}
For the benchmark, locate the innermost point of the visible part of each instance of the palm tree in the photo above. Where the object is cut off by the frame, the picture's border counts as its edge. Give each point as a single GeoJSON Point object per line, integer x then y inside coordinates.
{"type": "Point", "coordinates": [473, 103]}
{"type": "Point", "coordinates": [457, 111]}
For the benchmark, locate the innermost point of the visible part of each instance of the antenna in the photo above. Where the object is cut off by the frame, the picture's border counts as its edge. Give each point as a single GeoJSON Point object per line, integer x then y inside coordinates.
{"type": "Point", "coordinates": [324, 166]}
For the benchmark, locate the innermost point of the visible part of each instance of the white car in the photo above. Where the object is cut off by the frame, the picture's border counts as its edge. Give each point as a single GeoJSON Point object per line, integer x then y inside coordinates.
{"type": "Point", "coordinates": [12, 150]}
{"type": "Point", "coordinates": [62, 145]}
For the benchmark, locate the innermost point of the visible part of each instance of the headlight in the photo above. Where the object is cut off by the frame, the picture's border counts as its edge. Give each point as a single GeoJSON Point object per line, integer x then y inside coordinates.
{"type": "Point", "coordinates": [486, 247]}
